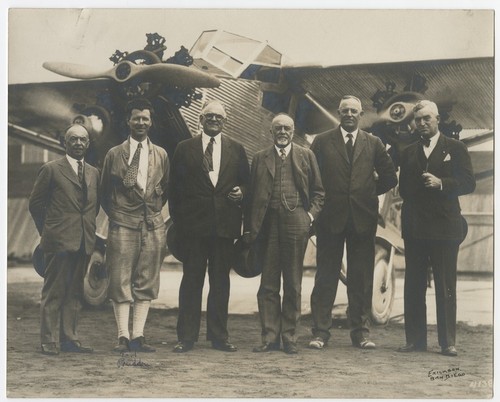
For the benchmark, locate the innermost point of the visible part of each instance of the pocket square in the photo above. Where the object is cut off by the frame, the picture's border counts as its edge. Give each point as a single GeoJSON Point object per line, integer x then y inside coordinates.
{"type": "Point", "coordinates": [447, 158]}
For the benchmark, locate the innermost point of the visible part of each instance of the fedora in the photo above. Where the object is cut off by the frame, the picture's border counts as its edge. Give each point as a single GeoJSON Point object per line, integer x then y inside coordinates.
{"type": "Point", "coordinates": [175, 243]}
{"type": "Point", "coordinates": [38, 261]}
{"type": "Point", "coordinates": [247, 259]}
{"type": "Point", "coordinates": [96, 281]}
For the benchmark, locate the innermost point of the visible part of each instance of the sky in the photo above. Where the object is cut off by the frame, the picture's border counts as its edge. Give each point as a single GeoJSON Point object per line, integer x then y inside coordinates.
{"type": "Point", "coordinates": [318, 36]}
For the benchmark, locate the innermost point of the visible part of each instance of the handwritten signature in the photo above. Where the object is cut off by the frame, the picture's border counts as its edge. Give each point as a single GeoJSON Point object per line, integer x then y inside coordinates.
{"type": "Point", "coordinates": [131, 361]}
{"type": "Point", "coordinates": [445, 374]}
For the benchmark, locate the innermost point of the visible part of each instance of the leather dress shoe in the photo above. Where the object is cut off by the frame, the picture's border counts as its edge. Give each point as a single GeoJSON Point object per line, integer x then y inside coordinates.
{"type": "Point", "coordinates": [267, 347]}
{"type": "Point", "coordinates": [449, 351]}
{"type": "Point", "coordinates": [139, 345]}
{"type": "Point", "coordinates": [183, 347]}
{"type": "Point", "coordinates": [410, 347]}
{"type": "Point", "coordinates": [75, 347]}
{"type": "Point", "coordinates": [224, 346]}
{"type": "Point", "coordinates": [50, 349]}
{"type": "Point", "coordinates": [290, 348]}
{"type": "Point", "coordinates": [363, 343]}
{"type": "Point", "coordinates": [123, 345]}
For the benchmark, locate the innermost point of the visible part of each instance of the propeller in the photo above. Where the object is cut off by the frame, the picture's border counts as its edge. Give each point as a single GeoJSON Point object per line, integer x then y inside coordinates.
{"type": "Point", "coordinates": [170, 74]}
{"type": "Point", "coordinates": [397, 112]}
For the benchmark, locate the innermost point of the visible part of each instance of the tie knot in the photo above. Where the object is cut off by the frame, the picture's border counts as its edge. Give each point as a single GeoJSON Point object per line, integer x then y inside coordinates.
{"type": "Point", "coordinates": [349, 136]}
{"type": "Point", "coordinates": [212, 140]}
{"type": "Point", "coordinates": [426, 142]}
{"type": "Point", "coordinates": [282, 154]}
{"type": "Point", "coordinates": [80, 164]}
{"type": "Point", "coordinates": [139, 145]}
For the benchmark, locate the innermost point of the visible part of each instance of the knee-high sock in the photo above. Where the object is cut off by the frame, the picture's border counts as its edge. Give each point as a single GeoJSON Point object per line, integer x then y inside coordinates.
{"type": "Point", "coordinates": [141, 309]}
{"type": "Point", "coordinates": [122, 313]}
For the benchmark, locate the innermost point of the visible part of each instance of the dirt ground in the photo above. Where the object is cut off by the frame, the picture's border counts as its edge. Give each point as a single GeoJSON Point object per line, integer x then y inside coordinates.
{"type": "Point", "coordinates": [338, 371]}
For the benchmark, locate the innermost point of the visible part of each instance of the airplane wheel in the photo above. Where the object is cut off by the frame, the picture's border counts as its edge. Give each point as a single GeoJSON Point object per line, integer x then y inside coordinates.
{"type": "Point", "coordinates": [96, 281]}
{"type": "Point", "coordinates": [384, 286]}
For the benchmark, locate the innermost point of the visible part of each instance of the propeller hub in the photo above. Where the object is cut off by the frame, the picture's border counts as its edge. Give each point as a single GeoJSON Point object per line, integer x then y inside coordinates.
{"type": "Point", "coordinates": [122, 71]}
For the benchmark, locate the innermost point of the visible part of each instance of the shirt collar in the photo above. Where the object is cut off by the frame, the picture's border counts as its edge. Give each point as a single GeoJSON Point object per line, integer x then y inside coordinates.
{"type": "Point", "coordinates": [434, 140]}
{"type": "Point", "coordinates": [134, 143]}
{"type": "Point", "coordinates": [287, 149]}
{"type": "Point", "coordinates": [73, 161]}
{"type": "Point", "coordinates": [344, 134]}
{"type": "Point", "coordinates": [206, 138]}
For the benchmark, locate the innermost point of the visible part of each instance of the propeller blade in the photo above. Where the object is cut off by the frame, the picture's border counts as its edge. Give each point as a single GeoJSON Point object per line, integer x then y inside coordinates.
{"type": "Point", "coordinates": [170, 74]}
{"type": "Point", "coordinates": [80, 71]}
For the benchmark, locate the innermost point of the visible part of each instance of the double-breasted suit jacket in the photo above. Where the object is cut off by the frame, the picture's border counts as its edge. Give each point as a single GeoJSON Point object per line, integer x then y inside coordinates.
{"type": "Point", "coordinates": [427, 213]}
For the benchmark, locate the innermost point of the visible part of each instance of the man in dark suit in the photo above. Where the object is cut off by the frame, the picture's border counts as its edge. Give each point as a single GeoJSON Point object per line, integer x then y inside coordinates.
{"type": "Point", "coordinates": [355, 169]}
{"type": "Point", "coordinates": [209, 177]}
{"type": "Point", "coordinates": [64, 205]}
{"type": "Point", "coordinates": [134, 189]}
{"type": "Point", "coordinates": [286, 196]}
{"type": "Point", "coordinates": [434, 172]}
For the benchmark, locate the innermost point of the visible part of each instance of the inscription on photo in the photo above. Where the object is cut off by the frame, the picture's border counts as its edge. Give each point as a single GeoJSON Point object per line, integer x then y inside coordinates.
{"type": "Point", "coordinates": [446, 374]}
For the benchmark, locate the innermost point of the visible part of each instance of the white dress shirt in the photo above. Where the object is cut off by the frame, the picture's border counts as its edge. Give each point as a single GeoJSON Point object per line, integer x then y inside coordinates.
{"type": "Point", "coordinates": [216, 155]}
{"type": "Point", "coordinates": [344, 134]}
{"type": "Point", "coordinates": [142, 174]}
{"type": "Point", "coordinates": [287, 149]}
{"type": "Point", "coordinates": [428, 150]}
{"type": "Point", "coordinates": [74, 163]}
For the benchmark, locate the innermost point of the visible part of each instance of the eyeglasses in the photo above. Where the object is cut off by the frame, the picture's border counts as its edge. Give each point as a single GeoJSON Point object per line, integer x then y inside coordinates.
{"type": "Point", "coordinates": [211, 116]}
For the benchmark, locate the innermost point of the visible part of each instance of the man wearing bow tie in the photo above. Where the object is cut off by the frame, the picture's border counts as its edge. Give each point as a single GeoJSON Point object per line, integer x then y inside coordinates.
{"type": "Point", "coordinates": [209, 178]}
{"type": "Point", "coordinates": [134, 186]}
{"type": "Point", "coordinates": [434, 172]}
{"type": "Point", "coordinates": [355, 168]}
{"type": "Point", "coordinates": [286, 197]}
{"type": "Point", "coordinates": [64, 204]}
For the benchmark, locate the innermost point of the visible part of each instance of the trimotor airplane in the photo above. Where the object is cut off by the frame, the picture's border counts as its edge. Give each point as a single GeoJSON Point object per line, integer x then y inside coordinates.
{"type": "Point", "coordinates": [255, 83]}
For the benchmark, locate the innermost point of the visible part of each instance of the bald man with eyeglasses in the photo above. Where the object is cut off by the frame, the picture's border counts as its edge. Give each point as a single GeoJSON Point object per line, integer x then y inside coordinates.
{"type": "Point", "coordinates": [209, 178]}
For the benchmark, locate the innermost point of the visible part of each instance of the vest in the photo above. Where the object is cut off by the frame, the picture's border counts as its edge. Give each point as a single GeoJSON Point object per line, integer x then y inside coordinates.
{"type": "Point", "coordinates": [285, 191]}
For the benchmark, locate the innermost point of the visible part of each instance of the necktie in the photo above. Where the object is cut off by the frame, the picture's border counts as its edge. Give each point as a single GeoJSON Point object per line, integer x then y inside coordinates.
{"type": "Point", "coordinates": [426, 142]}
{"type": "Point", "coordinates": [208, 162]}
{"type": "Point", "coordinates": [131, 175]}
{"type": "Point", "coordinates": [349, 147]}
{"type": "Point", "coordinates": [282, 154]}
{"type": "Point", "coordinates": [80, 171]}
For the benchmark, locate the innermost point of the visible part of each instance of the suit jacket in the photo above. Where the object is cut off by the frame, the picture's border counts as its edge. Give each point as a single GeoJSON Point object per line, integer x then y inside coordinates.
{"type": "Point", "coordinates": [355, 191]}
{"type": "Point", "coordinates": [196, 207]}
{"type": "Point", "coordinates": [57, 204]}
{"type": "Point", "coordinates": [126, 206]}
{"type": "Point", "coordinates": [432, 213]}
{"type": "Point", "coordinates": [306, 176]}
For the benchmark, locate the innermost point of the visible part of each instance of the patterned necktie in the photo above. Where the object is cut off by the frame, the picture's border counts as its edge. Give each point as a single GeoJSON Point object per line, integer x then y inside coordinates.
{"type": "Point", "coordinates": [80, 171]}
{"type": "Point", "coordinates": [131, 175]}
{"type": "Point", "coordinates": [208, 162]}
{"type": "Point", "coordinates": [349, 147]}
{"type": "Point", "coordinates": [282, 154]}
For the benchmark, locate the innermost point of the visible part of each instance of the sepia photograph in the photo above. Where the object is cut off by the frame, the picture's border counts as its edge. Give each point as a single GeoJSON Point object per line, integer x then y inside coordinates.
{"type": "Point", "coordinates": [249, 201]}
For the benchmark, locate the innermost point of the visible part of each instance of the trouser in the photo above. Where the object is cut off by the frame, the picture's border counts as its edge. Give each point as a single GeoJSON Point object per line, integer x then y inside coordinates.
{"type": "Point", "coordinates": [217, 252]}
{"type": "Point", "coordinates": [62, 294]}
{"type": "Point", "coordinates": [284, 235]}
{"type": "Point", "coordinates": [360, 266]}
{"type": "Point", "coordinates": [442, 256]}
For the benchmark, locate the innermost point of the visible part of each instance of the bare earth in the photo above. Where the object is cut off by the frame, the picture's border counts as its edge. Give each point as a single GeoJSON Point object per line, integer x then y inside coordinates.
{"type": "Point", "coordinates": [338, 371]}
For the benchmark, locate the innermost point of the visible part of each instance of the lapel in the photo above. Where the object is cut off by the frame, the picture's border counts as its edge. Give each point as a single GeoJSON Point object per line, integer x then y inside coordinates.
{"type": "Point", "coordinates": [68, 172]}
{"type": "Point", "coordinates": [225, 155]}
{"type": "Point", "coordinates": [338, 144]}
{"type": "Point", "coordinates": [359, 145]}
{"type": "Point", "coordinates": [297, 158]}
{"type": "Point", "coordinates": [269, 159]}
{"type": "Point", "coordinates": [149, 182]}
{"type": "Point", "coordinates": [438, 154]}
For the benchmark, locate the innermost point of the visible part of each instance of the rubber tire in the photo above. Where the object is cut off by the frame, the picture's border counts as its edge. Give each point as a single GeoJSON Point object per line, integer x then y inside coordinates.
{"type": "Point", "coordinates": [382, 299]}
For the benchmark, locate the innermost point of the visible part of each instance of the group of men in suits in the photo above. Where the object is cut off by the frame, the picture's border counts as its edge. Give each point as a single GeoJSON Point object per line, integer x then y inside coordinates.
{"type": "Point", "coordinates": [331, 189]}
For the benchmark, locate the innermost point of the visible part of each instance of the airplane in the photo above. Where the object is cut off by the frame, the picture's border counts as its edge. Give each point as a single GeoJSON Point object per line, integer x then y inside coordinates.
{"type": "Point", "coordinates": [255, 82]}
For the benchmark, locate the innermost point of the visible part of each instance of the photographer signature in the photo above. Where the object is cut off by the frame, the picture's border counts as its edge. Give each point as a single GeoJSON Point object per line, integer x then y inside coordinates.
{"type": "Point", "coordinates": [445, 374]}
{"type": "Point", "coordinates": [131, 361]}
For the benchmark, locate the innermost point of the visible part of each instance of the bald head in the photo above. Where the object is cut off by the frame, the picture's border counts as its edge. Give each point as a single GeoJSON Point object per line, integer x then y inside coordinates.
{"type": "Point", "coordinates": [76, 140]}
